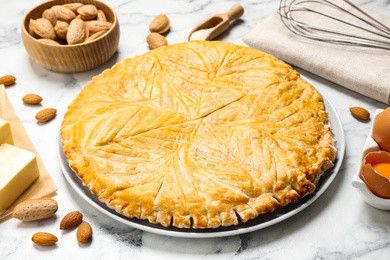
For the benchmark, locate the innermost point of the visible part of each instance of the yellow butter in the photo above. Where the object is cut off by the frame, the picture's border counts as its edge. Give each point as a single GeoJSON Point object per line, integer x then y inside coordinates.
{"type": "Point", "coordinates": [18, 170]}
{"type": "Point", "coordinates": [5, 132]}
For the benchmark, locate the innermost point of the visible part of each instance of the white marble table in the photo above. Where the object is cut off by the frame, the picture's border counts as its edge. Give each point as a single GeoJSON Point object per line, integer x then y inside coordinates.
{"type": "Point", "coordinates": [338, 225]}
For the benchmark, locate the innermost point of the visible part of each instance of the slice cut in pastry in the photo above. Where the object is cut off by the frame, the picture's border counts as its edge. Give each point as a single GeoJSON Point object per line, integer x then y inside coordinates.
{"type": "Point", "coordinates": [198, 135]}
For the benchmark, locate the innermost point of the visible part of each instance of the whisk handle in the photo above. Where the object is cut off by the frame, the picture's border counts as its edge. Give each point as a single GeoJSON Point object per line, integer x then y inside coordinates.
{"type": "Point", "coordinates": [235, 12]}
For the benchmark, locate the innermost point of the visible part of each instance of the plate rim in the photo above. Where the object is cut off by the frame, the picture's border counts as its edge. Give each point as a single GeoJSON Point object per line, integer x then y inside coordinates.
{"type": "Point", "coordinates": [79, 188]}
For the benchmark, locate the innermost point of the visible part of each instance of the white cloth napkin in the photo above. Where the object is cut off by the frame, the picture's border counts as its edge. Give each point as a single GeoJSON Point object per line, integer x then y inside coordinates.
{"type": "Point", "coordinates": [364, 70]}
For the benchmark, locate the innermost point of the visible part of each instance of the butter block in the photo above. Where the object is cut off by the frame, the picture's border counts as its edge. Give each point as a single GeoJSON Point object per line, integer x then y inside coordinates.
{"type": "Point", "coordinates": [5, 132]}
{"type": "Point", "coordinates": [18, 170]}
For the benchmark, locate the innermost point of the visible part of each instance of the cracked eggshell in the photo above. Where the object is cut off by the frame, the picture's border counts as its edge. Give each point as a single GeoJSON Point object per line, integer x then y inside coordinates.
{"type": "Point", "coordinates": [376, 183]}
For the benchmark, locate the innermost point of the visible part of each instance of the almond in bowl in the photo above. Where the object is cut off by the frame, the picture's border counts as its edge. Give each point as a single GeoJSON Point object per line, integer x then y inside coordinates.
{"type": "Point", "coordinates": [56, 35]}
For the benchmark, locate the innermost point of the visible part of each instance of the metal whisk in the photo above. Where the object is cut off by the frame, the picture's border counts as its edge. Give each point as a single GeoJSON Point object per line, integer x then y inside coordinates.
{"type": "Point", "coordinates": [339, 22]}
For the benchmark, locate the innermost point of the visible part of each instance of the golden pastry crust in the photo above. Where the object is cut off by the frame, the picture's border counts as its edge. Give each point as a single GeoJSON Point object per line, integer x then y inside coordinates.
{"type": "Point", "coordinates": [198, 134]}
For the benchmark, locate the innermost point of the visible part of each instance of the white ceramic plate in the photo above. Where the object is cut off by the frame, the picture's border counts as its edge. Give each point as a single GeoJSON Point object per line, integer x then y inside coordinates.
{"type": "Point", "coordinates": [359, 185]}
{"type": "Point", "coordinates": [260, 222]}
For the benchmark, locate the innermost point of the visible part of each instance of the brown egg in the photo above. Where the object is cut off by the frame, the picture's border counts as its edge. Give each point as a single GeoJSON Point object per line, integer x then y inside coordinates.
{"type": "Point", "coordinates": [381, 130]}
{"type": "Point", "coordinates": [376, 173]}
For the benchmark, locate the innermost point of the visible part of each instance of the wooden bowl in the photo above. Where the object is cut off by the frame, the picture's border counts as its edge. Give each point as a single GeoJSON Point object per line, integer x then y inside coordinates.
{"type": "Point", "coordinates": [71, 58]}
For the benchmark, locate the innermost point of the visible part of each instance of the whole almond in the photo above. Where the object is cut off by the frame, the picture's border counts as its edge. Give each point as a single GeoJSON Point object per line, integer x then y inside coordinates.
{"type": "Point", "coordinates": [43, 28]}
{"type": "Point", "coordinates": [7, 80]}
{"type": "Point", "coordinates": [44, 239]}
{"type": "Point", "coordinates": [101, 16]}
{"type": "Point", "coordinates": [50, 15]}
{"type": "Point", "coordinates": [77, 32]}
{"type": "Point", "coordinates": [71, 220]}
{"type": "Point", "coordinates": [156, 40]}
{"type": "Point", "coordinates": [97, 26]}
{"type": "Point", "coordinates": [45, 115]}
{"type": "Point", "coordinates": [360, 113]}
{"type": "Point", "coordinates": [35, 209]}
{"type": "Point", "coordinates": [32, 99]}
{"type": "Point", "coordinates": [73, 6]}
{"type": "Point", "coordinates": [64, 14]}
{"type": "Point", "coordinates": [87, 12]}
{"type": "Point", "coordinates": [95, 36]}
{"type": "Point", "coordinates": [48, 41]}
{"type": "Point", "coordinates": [84, 232]}
{"type": "Point", "coordinates": [61, 29]}
{"type": "Point", "coordinates": [54, 7]}
{"type": "Point", "coordinates": [160, 24]}
{"type": "Point", "coordinates": [31, 29]}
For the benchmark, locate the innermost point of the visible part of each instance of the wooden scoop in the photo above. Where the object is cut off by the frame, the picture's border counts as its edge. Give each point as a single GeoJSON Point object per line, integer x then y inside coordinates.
{"type": "Point", "coordinates": [216, 24]}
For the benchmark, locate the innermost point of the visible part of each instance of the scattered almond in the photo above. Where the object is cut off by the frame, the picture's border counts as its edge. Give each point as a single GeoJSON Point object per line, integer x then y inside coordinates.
{"type": "Point", "coordinates": [7, 80]}
{"type": "Point", "coordinates": [45, 115]}
{"type": "Point", "coordinates": [87, 12]}
{"type": "Point", "coordinates": [156, 40]}
{"type": "Point", "coordinates": [71, 220]}
{"type": "Point", "coordinates": [160, 24]}
{"type": "Point", "coordinates": [44, 239]}
{"type": "Point", "coordinates": [35, 209]}
{"type": "Point", "coordinates": [32, 99]}
{"type": "Point", "coordinates": [84, 232]}
{"type": "Point", "coordinates": [360, 113]}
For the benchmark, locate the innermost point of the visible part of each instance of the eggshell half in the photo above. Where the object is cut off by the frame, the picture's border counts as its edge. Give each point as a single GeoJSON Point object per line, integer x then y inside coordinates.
{"type": "Point", "coordinates": [376, 183]}
{"type": "Point", "coordinates": [381, 130]}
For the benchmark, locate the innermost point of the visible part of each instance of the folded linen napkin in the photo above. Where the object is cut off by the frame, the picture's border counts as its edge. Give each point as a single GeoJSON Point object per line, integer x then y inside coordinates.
{"type": "Point", "coordinates": [361, 69]}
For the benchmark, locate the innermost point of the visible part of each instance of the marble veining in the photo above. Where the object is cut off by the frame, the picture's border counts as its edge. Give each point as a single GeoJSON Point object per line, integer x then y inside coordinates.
{"type": "Point", "coordinates": [338, 225]}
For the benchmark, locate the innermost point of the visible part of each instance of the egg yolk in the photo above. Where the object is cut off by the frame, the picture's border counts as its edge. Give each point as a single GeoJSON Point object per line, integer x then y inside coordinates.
{"type": "Point", "coordinates": [383, 169]}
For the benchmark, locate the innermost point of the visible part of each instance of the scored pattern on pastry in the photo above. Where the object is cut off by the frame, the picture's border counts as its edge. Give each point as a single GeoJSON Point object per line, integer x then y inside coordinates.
{"type": "Point", "coordinates": [198, 134]}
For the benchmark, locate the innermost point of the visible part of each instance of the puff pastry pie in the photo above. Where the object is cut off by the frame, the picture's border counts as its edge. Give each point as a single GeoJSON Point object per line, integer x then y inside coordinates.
{"type": "Point", "coordinates": [198, 135]}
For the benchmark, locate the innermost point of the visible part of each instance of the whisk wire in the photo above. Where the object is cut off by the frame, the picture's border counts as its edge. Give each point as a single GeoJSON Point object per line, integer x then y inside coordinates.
{"type": "Point", "coordinates": [314, 31]}
{"type": "Point", "coordinates": [291, 14]}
